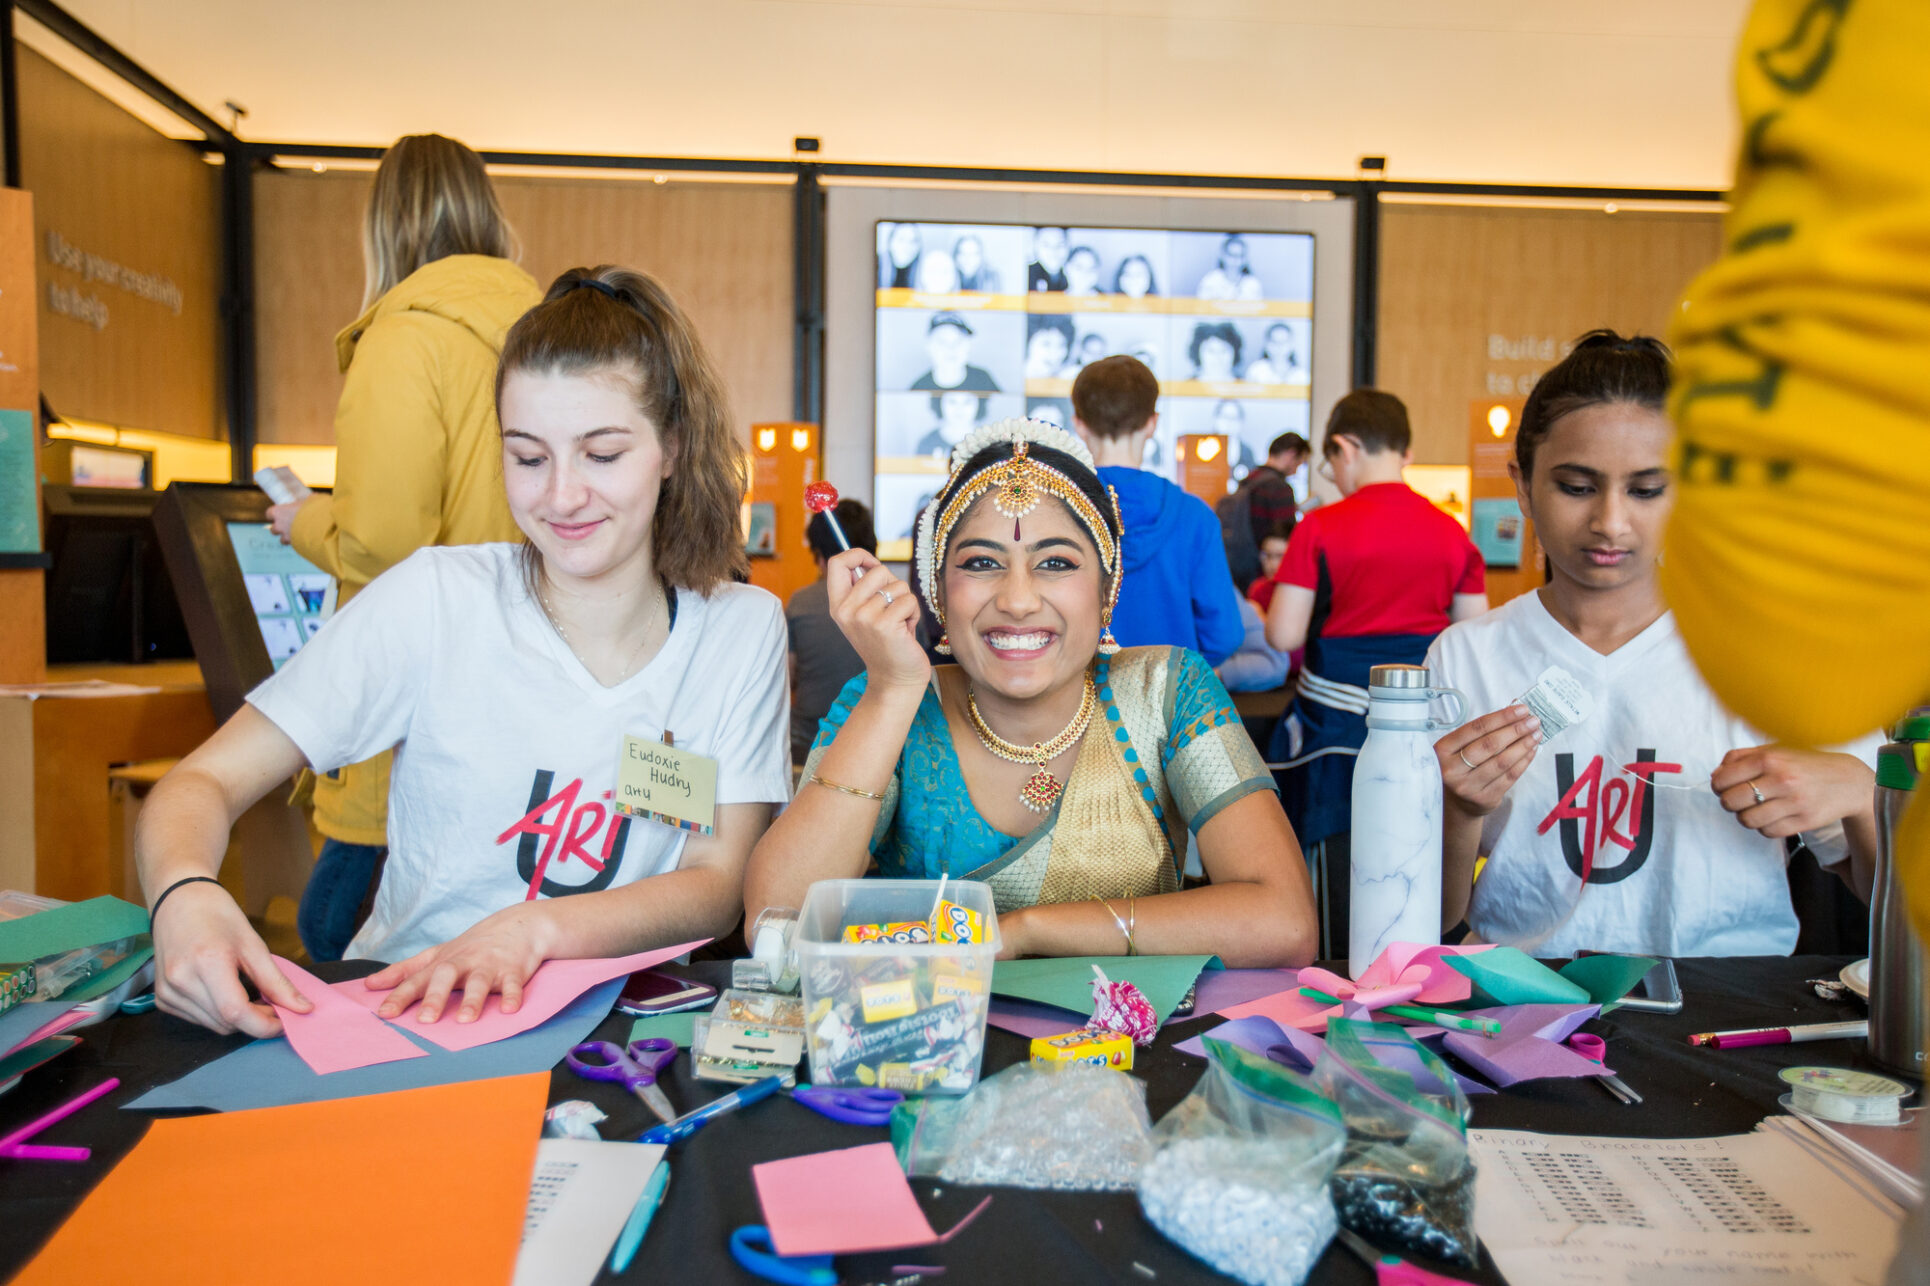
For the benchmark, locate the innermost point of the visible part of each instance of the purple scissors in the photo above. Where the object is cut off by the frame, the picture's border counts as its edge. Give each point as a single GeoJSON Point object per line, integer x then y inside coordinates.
{"type": "Point", "coordinates": [853, 1107]}
{"type": "Point", "coordinates": [637, 1067]}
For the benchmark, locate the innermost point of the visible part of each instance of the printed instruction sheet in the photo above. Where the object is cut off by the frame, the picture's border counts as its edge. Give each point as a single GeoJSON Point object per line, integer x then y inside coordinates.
{"type": "Point", "coordinates": [1561, 1210]}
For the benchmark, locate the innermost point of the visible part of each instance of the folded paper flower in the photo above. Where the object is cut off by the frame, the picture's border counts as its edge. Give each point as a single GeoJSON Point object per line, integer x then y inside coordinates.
{"type": "Point", "coordinates": [1405, 972]}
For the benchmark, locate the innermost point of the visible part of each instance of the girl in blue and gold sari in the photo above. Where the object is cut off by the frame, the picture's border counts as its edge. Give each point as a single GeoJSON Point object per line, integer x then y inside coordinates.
{"type": "Point", "coordinates": [1050, 764]}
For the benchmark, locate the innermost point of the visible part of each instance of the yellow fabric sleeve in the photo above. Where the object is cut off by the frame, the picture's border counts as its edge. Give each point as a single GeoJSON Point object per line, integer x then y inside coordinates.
{"type": "Point", "coordinates": [391, 456]}
{"type": "Point", "coordinates": [1798, 560]}
{"type": "Point", "coordinates": [1802, 401]}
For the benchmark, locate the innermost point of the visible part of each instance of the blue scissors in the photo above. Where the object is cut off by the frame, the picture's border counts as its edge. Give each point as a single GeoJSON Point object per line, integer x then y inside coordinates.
{"type": "Point", "coordinates": [853, 1107]}
{"type": "Point", "coordinates": [636, 1067]}
{"type": "Point", "coordinates": [751, 1247]}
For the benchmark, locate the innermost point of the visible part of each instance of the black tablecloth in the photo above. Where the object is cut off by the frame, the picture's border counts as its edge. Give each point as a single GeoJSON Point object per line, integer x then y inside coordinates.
{"type": "Point", "coordinates": [1023, 1236]}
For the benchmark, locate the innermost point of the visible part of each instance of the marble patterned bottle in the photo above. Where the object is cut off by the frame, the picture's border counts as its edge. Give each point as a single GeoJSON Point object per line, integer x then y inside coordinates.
{"type": "Point", "coordinates": [1396, 847]}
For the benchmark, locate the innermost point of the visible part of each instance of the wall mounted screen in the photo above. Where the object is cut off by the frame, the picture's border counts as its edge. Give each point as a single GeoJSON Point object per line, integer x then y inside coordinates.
{"type": "Point", "coordinates": [979, 321]}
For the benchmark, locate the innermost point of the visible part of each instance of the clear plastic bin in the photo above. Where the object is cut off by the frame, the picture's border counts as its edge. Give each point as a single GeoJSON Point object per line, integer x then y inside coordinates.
{"type": "Point", "coordinates": [901, 1016]}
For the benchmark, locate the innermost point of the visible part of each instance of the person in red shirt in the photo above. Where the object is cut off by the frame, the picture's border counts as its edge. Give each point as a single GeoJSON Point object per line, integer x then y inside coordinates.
{"type": "Point", "coordinates": [1367, 581]}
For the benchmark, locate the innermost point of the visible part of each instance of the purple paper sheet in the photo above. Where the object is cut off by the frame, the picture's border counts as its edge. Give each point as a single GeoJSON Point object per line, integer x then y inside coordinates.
{"type": "Point", "coordinates": [1291, 1047]}
{"type": "Point", "coordinates": [1030, 1020]}
{"type": "Point", "coordinates": [1529, 1046]}
{"type": "Point", "coordinates": [1220, 989]}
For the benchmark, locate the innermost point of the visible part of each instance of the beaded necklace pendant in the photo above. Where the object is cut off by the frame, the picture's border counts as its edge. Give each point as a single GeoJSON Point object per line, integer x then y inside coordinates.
{"type": "Point", "coordinates": [1041, 791]}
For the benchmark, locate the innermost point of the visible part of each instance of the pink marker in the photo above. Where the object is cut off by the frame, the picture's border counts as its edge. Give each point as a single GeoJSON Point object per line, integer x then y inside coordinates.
{"type": "Point", "coordinates": [1783, 1035]}
{"type": "Point", "coordinates": [14, 1147]}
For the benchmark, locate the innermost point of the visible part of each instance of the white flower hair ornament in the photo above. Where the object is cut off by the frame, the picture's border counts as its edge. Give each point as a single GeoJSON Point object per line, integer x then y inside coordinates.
{"type": "Point", "coordinates": [1017, 483]}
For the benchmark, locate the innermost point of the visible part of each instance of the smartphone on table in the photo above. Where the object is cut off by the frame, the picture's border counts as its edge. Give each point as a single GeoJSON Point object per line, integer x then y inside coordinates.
{"type": "Point", "coordinates": [1659, 992]}
{"type": "Point", "coordinates": [651, 992]}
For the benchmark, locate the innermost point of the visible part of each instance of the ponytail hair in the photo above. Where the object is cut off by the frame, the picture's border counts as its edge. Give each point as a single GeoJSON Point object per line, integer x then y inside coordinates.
{"type": "Point", "coordinates": [615, 320]}
{"type": "Point", "coordinates": [1602, 368]}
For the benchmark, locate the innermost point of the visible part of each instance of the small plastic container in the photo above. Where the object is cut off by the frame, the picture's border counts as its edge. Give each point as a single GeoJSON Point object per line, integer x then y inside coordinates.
{"type": "Point", "coordinates": [894, 1015]}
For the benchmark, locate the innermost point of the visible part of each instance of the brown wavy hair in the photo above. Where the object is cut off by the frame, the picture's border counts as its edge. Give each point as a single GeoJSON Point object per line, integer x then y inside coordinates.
{"type": "Point", "coordinates": [610, 319]}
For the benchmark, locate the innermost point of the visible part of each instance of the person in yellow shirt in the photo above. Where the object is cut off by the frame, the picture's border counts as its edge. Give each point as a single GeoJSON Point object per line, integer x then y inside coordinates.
{"type": "Point", "coordinates": [1802, 405]}
{"type": "Point", "coordinates": [418, 455]}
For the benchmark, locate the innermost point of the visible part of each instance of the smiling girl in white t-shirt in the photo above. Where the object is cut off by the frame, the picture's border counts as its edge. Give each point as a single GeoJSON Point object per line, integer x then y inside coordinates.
{"type": "Point", "coordinates": [507, 677]}
{"type": "Point", "coordinates": [1656, 824]}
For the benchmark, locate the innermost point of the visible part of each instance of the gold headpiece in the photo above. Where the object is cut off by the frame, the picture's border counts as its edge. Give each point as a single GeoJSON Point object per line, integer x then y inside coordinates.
{"type": "Point", "coordinates": [1017, 485]}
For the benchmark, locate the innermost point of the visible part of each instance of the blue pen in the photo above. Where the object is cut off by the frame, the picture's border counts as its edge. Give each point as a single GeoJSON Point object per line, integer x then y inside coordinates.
{"type": "Point", "coordinates": [688, 1124]}
{"type": "Point", "coordinates": [639, 1222]}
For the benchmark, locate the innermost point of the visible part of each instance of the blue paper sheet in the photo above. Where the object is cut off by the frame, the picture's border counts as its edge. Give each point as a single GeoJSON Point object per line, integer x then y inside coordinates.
{"type": "Point", "coordinates": [268, 1073]}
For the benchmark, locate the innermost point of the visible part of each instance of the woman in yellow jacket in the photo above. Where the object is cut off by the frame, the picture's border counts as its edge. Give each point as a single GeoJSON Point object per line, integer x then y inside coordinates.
{"type": "Point", "coordinates": [418, 459]}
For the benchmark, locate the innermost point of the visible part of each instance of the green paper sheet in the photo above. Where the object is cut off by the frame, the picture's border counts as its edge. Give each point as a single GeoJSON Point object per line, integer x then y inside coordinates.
{"type": "Point", "coordinates": [675, 1027]}
{"type": "Point", "coordinates": [1067, 983]}
{"type": "Point", "coordinates": [1607, 979]}
{"type": "Point", "coordinates": [1507, 976]}
{"type": "Point", "coordinates": [79, 924]}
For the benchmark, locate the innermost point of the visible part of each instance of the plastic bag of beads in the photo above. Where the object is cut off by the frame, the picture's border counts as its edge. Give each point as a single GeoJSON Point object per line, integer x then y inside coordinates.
{"type": "Point", "coordinates": [1075, 1127]}
{"type": "Point", "coordinates": [1239, 1169]}
{"type": "Point", "coordinates": [1404, 1180]}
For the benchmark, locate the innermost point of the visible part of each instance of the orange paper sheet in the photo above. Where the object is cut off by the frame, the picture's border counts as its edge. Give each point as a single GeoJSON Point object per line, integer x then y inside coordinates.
{"type": "Point", "coordinates": [419, 1186]}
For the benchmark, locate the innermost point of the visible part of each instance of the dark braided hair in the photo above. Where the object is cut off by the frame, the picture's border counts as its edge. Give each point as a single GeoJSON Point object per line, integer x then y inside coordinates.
{"type": "Point", "coordinates": [1603, 368]}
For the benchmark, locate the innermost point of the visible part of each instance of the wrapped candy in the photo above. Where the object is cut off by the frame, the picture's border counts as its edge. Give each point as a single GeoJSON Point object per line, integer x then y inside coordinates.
{"type": "Point", "coordinates": [1120, 1007]}
{"type": "Point", "coordinates": [822, 498]}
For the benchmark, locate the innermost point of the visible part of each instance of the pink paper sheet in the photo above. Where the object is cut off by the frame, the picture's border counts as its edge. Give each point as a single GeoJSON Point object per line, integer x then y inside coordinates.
{"type": "Point", "coordinates": [840, 1203]}
{"type": "Point", "coordinates": [554, 985]}
{"type": "Point", "coordinates": [338, 1033]}
{"type": "Point", "coordinates": [1221, 989]}
{"type": "Point", "coordinates": [1289, 1009]}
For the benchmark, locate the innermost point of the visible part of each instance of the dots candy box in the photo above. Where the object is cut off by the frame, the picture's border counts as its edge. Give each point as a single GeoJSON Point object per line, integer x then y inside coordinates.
{"type": "Point", "coordinates": [888, 1002]}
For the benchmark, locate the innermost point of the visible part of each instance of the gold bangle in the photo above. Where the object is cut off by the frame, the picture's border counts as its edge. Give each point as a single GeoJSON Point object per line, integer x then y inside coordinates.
{"type": "Point", "coordinates": [1125, 930]}
{"type": "Point", "coordinates": [848, 790]}
{"type": "Point", "coordinates": [1132, 926]}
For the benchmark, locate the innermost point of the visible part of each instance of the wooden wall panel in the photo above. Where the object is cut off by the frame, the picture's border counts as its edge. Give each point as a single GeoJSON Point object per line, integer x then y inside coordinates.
{"type": "Point", "coordinates": [106, 184]}
{"type": "Point", "coordinates": [1457, 279]}
{"type": "Point", "coordinates": [723, 249]}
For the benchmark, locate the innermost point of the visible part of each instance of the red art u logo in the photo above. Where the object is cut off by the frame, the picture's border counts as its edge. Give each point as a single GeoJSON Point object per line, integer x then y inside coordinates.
{"type": "Point", "coordinates": [564, 836]}
{"type": "Point", "coordinates": [1594, 813]}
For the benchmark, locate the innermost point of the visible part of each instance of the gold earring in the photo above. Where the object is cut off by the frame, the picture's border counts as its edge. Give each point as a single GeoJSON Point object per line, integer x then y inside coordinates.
{"type": "Point", "coordinates": [1108, 645]}
{"type": "Point", "coordinates": [944, 645]}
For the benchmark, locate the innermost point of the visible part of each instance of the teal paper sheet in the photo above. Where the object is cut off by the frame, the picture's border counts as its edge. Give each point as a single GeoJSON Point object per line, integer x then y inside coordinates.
{"type": "Point", "coordinates": [1067, 982]}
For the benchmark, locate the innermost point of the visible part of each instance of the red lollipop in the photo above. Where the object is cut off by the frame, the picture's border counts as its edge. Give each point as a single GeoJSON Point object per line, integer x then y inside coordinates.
{"type": "Point", "coordinates": [822, 498]}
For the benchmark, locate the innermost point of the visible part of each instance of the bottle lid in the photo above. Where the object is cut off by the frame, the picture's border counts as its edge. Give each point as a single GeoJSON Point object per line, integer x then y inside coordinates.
{"type": "Point", "coordinates": [1397, 676]}
{"type": "Point", "coordinates": [1914, 726]}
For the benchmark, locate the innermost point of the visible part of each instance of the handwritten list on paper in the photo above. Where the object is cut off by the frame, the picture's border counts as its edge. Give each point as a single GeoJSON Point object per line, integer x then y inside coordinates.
{"type": "Point", "coordinates": [1753, 1208]}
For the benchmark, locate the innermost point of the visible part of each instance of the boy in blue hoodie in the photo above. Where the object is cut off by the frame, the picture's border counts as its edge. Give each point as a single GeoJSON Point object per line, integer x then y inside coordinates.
{"type": "Point", "coordinates": [1177, 589]}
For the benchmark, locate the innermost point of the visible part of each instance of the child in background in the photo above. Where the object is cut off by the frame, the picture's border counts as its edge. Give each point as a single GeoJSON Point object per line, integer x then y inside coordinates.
{"type": "Point", "coordinates": [1369, 580]}
{"type": "Point", "coordinates": [1656, 824]}
{"type": "Point", "coordinates": [1273, 551]}
{"type": "Point", "coordinates": [1177, 589]}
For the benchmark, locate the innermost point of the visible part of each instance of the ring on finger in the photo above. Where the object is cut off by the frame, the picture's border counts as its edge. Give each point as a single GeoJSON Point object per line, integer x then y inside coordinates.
{"type": "Point", "coordinates": [1462, 755]}
{"type": "Point", "coordinates": [886, 595]}
{"type": "Point", "coordinates": [1756, 790]}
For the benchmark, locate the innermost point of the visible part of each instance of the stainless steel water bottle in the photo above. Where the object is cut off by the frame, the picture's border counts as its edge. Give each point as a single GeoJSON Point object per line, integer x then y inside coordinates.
{"type": "Point", "coordinates": [1896, 956]}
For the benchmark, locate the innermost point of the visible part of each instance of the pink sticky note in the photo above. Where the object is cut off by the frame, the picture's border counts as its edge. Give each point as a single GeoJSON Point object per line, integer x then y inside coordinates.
{"type": "Point", "coordinates": [840, 1203]}
{"type": "Point", "coordinates": [338, 1033]}
{"type": "Point", "coordinates": [554, 984]}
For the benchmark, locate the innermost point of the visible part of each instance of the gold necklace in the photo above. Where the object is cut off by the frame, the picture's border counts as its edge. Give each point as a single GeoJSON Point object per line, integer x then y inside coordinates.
{"type": "Point", "coordinates": [1041, 789]}
{"type": "Point", "coordinates": [557, 625]}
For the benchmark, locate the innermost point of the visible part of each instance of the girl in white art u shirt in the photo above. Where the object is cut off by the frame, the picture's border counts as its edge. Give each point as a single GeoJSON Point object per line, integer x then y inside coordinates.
{"type": "Point", "coordinates": [507, 678]}
{"type": "Point", "coordinates": [1658, 824]}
